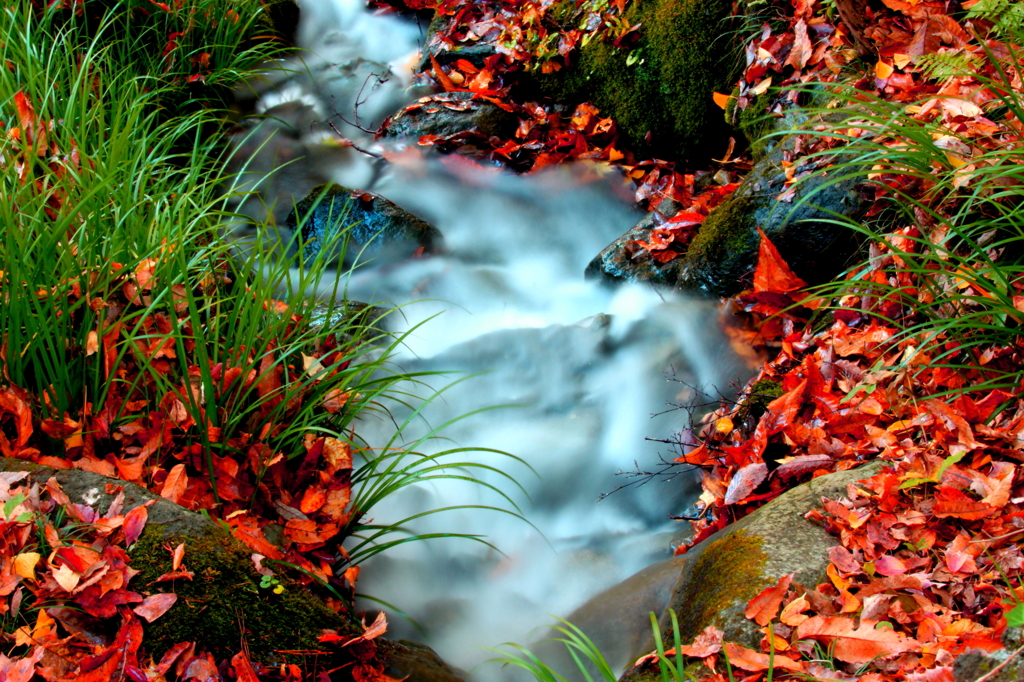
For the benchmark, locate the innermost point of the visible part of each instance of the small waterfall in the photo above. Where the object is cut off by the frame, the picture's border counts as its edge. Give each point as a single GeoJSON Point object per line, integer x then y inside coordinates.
{"type": "Point", "coordinates": [581, 366]}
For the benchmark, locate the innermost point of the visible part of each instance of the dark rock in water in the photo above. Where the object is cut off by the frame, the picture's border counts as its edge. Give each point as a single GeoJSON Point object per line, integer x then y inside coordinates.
{"type": "Point", "coordinates": [618, 263]}
{"type": "Point", "coordinates": [720, 260]}
{"type": "Point", "coordinates": [359, 227]}
{"type": "Point", "coordinates": [449, 113]}
{"type": "Point", "coordinates": [724, 572]}
{"type": "Point", "coordinates": [415, 662]}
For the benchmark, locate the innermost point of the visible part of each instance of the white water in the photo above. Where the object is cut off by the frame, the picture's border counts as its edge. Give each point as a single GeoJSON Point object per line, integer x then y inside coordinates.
{"type": "Point", "coordinates": [587, 366]}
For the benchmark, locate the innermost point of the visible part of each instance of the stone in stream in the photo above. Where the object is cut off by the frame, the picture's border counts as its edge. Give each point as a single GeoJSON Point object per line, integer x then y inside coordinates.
{"type": "Point", "coordinates": [228, 590]}
{"type": "Point", "coordinates": [721, 259]}
{"type": "Point", "coordinates": [712, 583]}
{"type": "Point", "coordinates": [351, 226]}
{"type": "Point", "coordinates": [448, 113]}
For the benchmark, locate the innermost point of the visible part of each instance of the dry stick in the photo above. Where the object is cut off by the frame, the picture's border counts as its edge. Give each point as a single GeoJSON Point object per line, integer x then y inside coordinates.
{"type": "Point", "coordinates": [996, 670]}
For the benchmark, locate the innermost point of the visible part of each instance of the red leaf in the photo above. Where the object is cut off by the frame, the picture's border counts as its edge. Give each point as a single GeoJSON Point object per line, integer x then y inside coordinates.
{"type": "Point", "coordinates": [134, 522]}
{"type": "Point", "coordinates": [154, 606]}
{"type": "Point", "coordinates": [175, 484]}
{"type": "Point", "coordinates": [243, 668]}
{"type": "Point", "coordinates": [763, 608]}
{"type": "Point", "coordinates": [772, 273]}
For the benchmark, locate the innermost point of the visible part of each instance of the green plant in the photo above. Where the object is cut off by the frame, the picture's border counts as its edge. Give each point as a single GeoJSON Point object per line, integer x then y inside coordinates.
{"type": "Point", "coordinates": [945, 257]}
{"type": "Point", "coordinates": [587, 657]}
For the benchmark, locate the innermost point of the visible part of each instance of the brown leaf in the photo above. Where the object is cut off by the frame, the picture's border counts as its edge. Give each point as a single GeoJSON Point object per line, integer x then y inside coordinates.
{"type": "Point", "coordinates": [745, 481]}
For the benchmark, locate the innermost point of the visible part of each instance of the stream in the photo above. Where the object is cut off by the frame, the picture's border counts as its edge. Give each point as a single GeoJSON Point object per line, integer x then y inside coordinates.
{"type": "Point", "coordinates": [586, 373]}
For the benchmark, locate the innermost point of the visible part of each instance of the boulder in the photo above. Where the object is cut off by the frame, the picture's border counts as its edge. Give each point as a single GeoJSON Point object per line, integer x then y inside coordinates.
{"type": "Point", "coordinates": [225, 592]}
{"type": "Point", "coordinates": [624, 261]}
{"type": "Point", "coordinates": [724, 572]}
{"type": "Point", "coordinates": [449, 113]}
{"type": "Point", "coordinates": [349, 226]}
{"type": "Point", "coordinates": [721, 259]}
{"type": "Point", "coordinates": [1005, 665]}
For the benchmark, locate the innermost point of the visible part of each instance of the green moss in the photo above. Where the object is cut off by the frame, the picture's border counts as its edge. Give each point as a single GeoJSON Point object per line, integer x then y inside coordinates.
{"type": "Point", "coordinates": [761, 393]}
{"type": "Point", "coordinates": [755, 122]}
{"type": "Point", "coordinates": [721, 248]}
{"type": "Point", "coordinates": [223, 597]}
{"type": "Point", "coordinates": [664, 84]}
{"type": "Point", "coordinates": [726, 575]}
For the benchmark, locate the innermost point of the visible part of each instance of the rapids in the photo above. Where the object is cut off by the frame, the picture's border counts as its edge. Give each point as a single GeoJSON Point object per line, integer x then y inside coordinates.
{"type": "Point", "coordinates": [580, 368]}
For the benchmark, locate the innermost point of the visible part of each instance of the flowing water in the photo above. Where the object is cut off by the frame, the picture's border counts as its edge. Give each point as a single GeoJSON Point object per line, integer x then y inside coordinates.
{"type": "Point", "coordinates": [584, 366]}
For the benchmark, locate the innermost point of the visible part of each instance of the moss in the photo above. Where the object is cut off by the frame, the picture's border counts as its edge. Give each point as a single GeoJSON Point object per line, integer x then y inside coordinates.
{"type": "Point", "coordinates": [761, 393]}
{"type": "Point", "coordinates": [726, 575]}
{"type": "Point", "coordinates": [754, 122]}
{"type": "Point", "coordinates": [721, 248]}
{"type": "Point", "coordinates": [223, 597]}
{"type": "Point", "coordinates": [664, 84]}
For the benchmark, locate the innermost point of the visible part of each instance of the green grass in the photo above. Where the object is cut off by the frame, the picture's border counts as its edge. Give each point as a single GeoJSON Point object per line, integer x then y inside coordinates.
{"type": "Point", "coordinates": [948, 280]}
{"type": "Point", "coordinates": [122, 302]}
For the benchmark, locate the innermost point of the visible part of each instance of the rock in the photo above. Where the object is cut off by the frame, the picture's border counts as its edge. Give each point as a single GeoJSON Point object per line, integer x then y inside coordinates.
{"type": "Point", "coordinates": [227, 584]}
{"type": "Point", "coordinates": [617, 620]}
{"type": "Point", "coordinates": [616, 263]}
{"type": "Point", "coordinates": [375, 228]}
{"type": "Point", "coordinates": [415, 662]}
{"type": "Point", "coordinates": [474, 53]}
{"type": "Point", "coordinates": [449, 113]}
{"type": "Point", "coordinates": [724, 572]}
{"type": "Point", "coordinates": [973, 664]}
{"type": "Point", "coordinates": [225, 595]}
{"type": "Point", "coordinates": [720, 260]}
{"type": "Point", "coordinates": [663, 85]}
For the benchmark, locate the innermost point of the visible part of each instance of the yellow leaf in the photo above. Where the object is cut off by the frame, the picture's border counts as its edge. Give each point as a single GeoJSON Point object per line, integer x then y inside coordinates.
{"type": "Point", "coordinates": [25, 564]}
{"type": "Point", "coordinates": [901, 60]}
{"type": "Point", "coordinates": [721, 100]}
{"type": "Point", "coordinates": [954, 160]}
{"type": "Point", "coordinates": [66, 578]}
{"type": "Point", "coordinates": [883, 70]}
{"type": "Point", "coordinates": [724, 426]}
{"type": "Point", "coordinates": [761, 87]}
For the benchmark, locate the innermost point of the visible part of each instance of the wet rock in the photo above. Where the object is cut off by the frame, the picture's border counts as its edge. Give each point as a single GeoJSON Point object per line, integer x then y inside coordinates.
{"type": "Point", "coordinates": [475, 53]}
{"type": "Point", "coordinates": [617, 620]}
{"type": "Point", "coordinates": [724, 572]}
{"type": "Point", "coordinates": [618, 262]}
{"type": "Point", "coordinates": [449, 113]}
{"type": "Point", "coordinates": [415, 662]}
{"type": "Point", "coordinates": [720, 260]}
{"type": "Point", "coordinates": [347, 226]}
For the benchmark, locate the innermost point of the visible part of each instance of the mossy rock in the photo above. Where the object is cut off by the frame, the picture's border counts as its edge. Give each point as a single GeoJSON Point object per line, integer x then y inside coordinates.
{"type": "Point", "coordinates": [761, 394]}
{"type": "Point", "coordinates": [721, 259]}
{"type": "Point", "coordinates": [664, 84]}
{"type": "Point", "coordinates": [352, 226]}
{"type": "Point", "coordinates": [727, 570]}
{"type": "Point", "coordinates": [223, 602]}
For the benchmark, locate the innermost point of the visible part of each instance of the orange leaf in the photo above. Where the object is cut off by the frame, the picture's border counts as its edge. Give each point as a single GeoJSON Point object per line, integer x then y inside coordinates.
{"type": "Point", "coordinates": [175, 484]}
{"type": "Point", "coordinates": [883, 70]}
{"type": "Point", "coordinates": [772, 273]}
{"type": "Point", "coordinates": [134, 522]}
{"type": "Point", "coordinates": [446, 82]}
{"type": "Point", "coordinates": [748, 659]}
{"type": "Point", "coordinates": [721, 100]}
{"type": "Point", "coordinates": [243, 668]}
{"type": "Point", "coordinates": [763, 608]}
{"type": "Point", "coordinates": [856, 645]}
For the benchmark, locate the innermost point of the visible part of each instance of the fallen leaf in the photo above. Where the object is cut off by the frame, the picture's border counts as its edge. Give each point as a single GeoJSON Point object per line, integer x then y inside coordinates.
{"type": "Point", "coordinates": [156, 605]}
